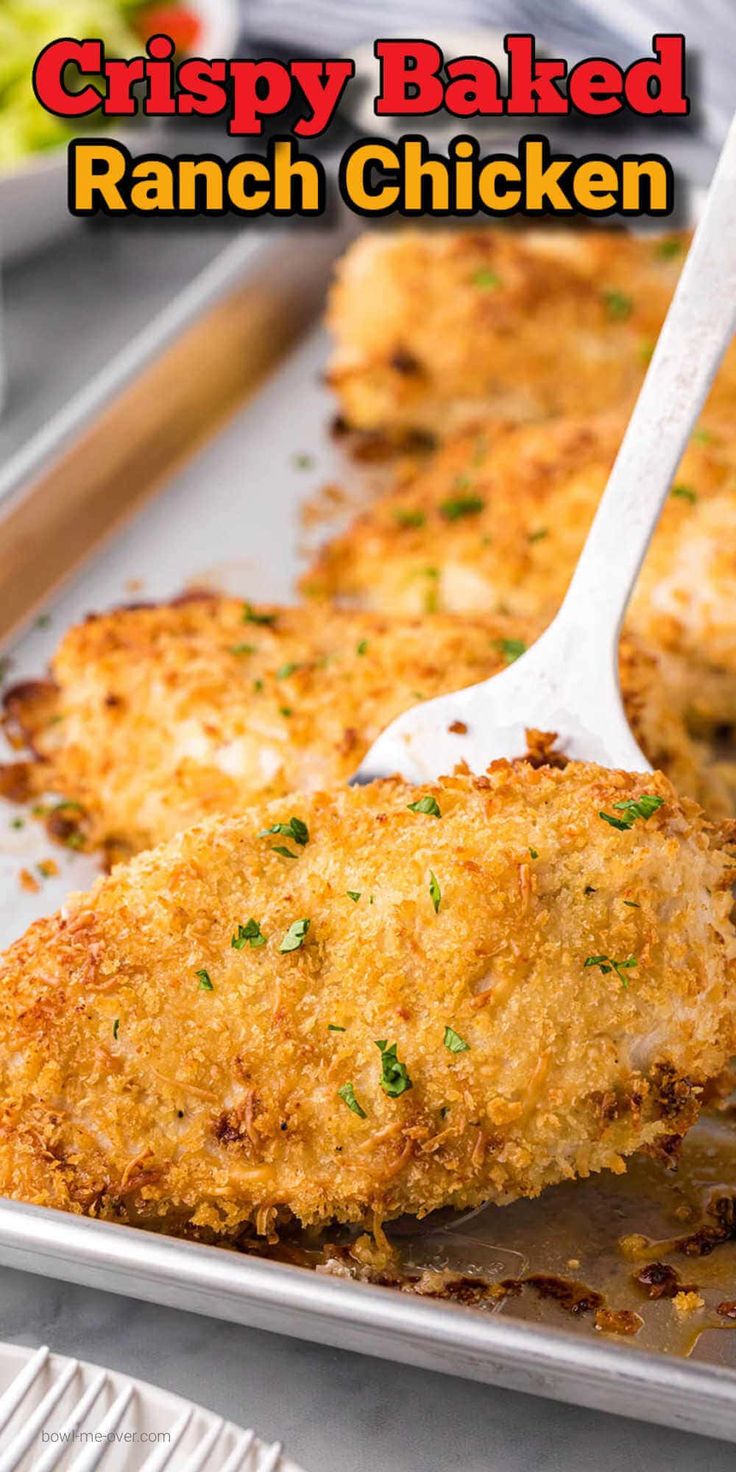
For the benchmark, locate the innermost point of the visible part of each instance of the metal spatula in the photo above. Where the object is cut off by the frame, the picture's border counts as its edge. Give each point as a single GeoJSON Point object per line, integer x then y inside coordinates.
{"type": "Point", "coordinates": [568, 681]}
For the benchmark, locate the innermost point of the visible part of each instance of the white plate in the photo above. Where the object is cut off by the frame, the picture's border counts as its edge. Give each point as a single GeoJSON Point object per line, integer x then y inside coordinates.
{"type": "Point", "coordinates": [33, 196]}
{"type": "Point", "coordinates": [107, 1420]}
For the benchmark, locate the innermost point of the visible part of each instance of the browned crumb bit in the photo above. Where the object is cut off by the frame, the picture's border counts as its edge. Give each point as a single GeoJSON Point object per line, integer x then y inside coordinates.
{"type": "Point", "coordinates": [687, 1303]}
{"type": "Point", "coordinates": [48, 868]}
{"type": "Point", "coordinates": [659, 1280]}
{"type": "Point", "coordinates": [727, 1308]}
{"type": "Point", "coordinates": [458, 728]}
{"type": "Point", "coordinates": [402, 361]}
{"type": "Point", "coordinates": [541, 749]}
{"type": "Point", "coordinates": [28, 882]}
{"type": "Point", "coordinates": [571, 1296]}
{"type": "Point", "coordinates": [618, 1321]}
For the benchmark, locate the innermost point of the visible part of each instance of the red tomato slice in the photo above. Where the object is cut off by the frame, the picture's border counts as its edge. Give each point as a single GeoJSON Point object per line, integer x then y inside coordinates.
{"type": "Point", "coordinates": [170, 20]}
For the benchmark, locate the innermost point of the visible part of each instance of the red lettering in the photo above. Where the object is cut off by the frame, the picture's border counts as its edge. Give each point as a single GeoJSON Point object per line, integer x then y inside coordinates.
{"type": "Point", "coordinates": [532, 83]}
{"type": "Point", "coordinates": [595, 87]}
{"type": "Point", "coordinates": [410, 80]}
{"type": "Point", "coordinates": [201, 86]}
{"type": "Point", "coordinates": [323, 84]}
{"type": "Point", "coordinates": [260, 89]}
{"type": "Point", "coordinates": [49, 77]}
{"type": "Point", "coordinates": [659, 86]}
{"type": "Point", "coordinates": [159, 97]}
{"type": "Point", "coordinates": [474, 87]}
{"type": "Point", "coordinates": [120, 77]}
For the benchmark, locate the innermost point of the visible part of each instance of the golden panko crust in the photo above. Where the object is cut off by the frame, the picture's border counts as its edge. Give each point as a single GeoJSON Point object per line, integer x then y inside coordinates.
{"type": "Point", "coordinates": [432, 328]}
{"type": "Point", "coordinates": [496, 518]}
{"type": "Point", "coordinates": [202, 1041]}
{"type": "Point", "coordinates": [160, 717]}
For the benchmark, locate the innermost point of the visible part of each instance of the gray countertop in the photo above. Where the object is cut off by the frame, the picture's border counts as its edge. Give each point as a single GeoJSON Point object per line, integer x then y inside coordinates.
{"type": "Point", "coordinates": [334, 1410]}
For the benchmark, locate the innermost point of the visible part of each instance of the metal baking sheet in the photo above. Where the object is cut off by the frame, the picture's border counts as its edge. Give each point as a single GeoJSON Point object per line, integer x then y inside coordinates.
{"type": "Point", "coordinates": [228, 514]}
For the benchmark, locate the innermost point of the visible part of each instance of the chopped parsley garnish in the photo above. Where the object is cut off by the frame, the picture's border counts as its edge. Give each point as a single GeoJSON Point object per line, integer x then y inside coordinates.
{"type": "Point", "coordinates": [435, 893]}
{"type": "Point", "coordinates": [17, 823]}
{"type": "Point", "coordinates": [486, 278]}
{"type": "Point", "coordinates": [280, 848]}
{"type": "Point", "coordinates": [116, 1028]}
{"type": "Point", "coordinates": [454, 1042]}
{"type": "Point", "coordinates": [457, 506]}
{"type": "Point", "coordinates": [539, 535]}
{"type": "Point", "coordinates": [295, 936]}
{"type": "Point", "coordinates": [354, 895]}
{"type": "Point", "coordinates": [632, 904]}
{"type": "Point", "coordinates": [606, 964]}
{"type": "Point", "coordinates": [618, 305]}
{"type": "Point", "coordinates": [286, 710]}
{"type": "Point", "coordinates": [404, 517]}
{"type": "Point", "coordinates": [242, 648]}
{"type": "Point", "coordinates": [533, 853]}
{"type": "Point", "coordinates": [361, 647]}
{"type": "Point", "coordinates": [668, 248]}
{"type": "Point", "coordinates": [395, 1078]}
{"type": "Point", "coordinates": [286, 670]}
{"type": "Point", "coordinates": [333, 1027]}
{"type": "Point", "coordinates": [426, 804]}
{"type": "Point", "coordinates": [701, 436]}
{"type": "Point", "coordinates": [302, 461]}
{"type": "Point", "coordinates": [633, 808]}
{"type": "Point", "coordinates": [511, 649]}
{"type": "Point", "coordinates": [205, 983]}
{"type": "Point", "coordinates": [252, 615]}
{"type": "Point", "coordinates": [258, 686]}
{"type": "Point", "coordinates": [248, 935]}
{"type": "Point", "coordinates": [346, 1092]}
{"type": "Point", "coordinates": [685, 493]}
{"type": "Point", "coordinates": [294, 829]}
{"type": "Point", "coordinates": [431, 597]}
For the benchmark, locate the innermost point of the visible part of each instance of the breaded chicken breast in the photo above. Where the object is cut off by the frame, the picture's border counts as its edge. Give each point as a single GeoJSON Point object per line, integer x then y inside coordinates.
{"type": "Point", "coordinates": [496, 518]}
{"type": "Point", "coordinates": [159, 717]}
{"type": "Point", "coordinates": [443, 995]}
{"type": "Point", "coordinates": [432, 328]}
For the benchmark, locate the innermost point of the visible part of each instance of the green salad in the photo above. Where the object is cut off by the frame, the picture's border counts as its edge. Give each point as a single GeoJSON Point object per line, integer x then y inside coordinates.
{"type": "Point", "coordinates": [26, 26]}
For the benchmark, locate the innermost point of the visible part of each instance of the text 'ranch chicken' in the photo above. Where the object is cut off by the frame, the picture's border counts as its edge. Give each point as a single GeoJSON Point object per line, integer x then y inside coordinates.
{"type": "Point", "coordinates": [432, 328]}
{"type": "Point", "coordinates": [379, 1000]}
{"type": "Point", "coordinates": [496, 518]}
{"type": "Point", "coordinates": [159, 717]}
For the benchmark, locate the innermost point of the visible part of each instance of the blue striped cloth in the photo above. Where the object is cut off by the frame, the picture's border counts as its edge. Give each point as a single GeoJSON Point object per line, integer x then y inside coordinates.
{"type": "Point", "coordinates": [619, 28]}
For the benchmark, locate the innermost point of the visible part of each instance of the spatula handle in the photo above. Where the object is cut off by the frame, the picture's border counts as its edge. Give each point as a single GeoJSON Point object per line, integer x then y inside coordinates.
{"type": "Point", "coordinates": [698, 328]}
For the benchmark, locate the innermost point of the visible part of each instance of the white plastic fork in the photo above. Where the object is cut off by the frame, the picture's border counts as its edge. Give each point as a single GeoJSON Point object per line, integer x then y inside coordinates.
{"type": "Point", "coordinates": [568, 681]}
{"type": "Point", "coordinates": [46, 1381]}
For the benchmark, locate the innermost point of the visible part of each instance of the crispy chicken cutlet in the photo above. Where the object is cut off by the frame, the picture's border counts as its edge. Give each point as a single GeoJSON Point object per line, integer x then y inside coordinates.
{"type": "Point", "coordinates": [442, 995]}
{"type": "Point", "coordinates": [497, 520]}
{"type": "Point", "coordinates": [432, 328]}
{"type": "Point", "coordinates": [159, 717]}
